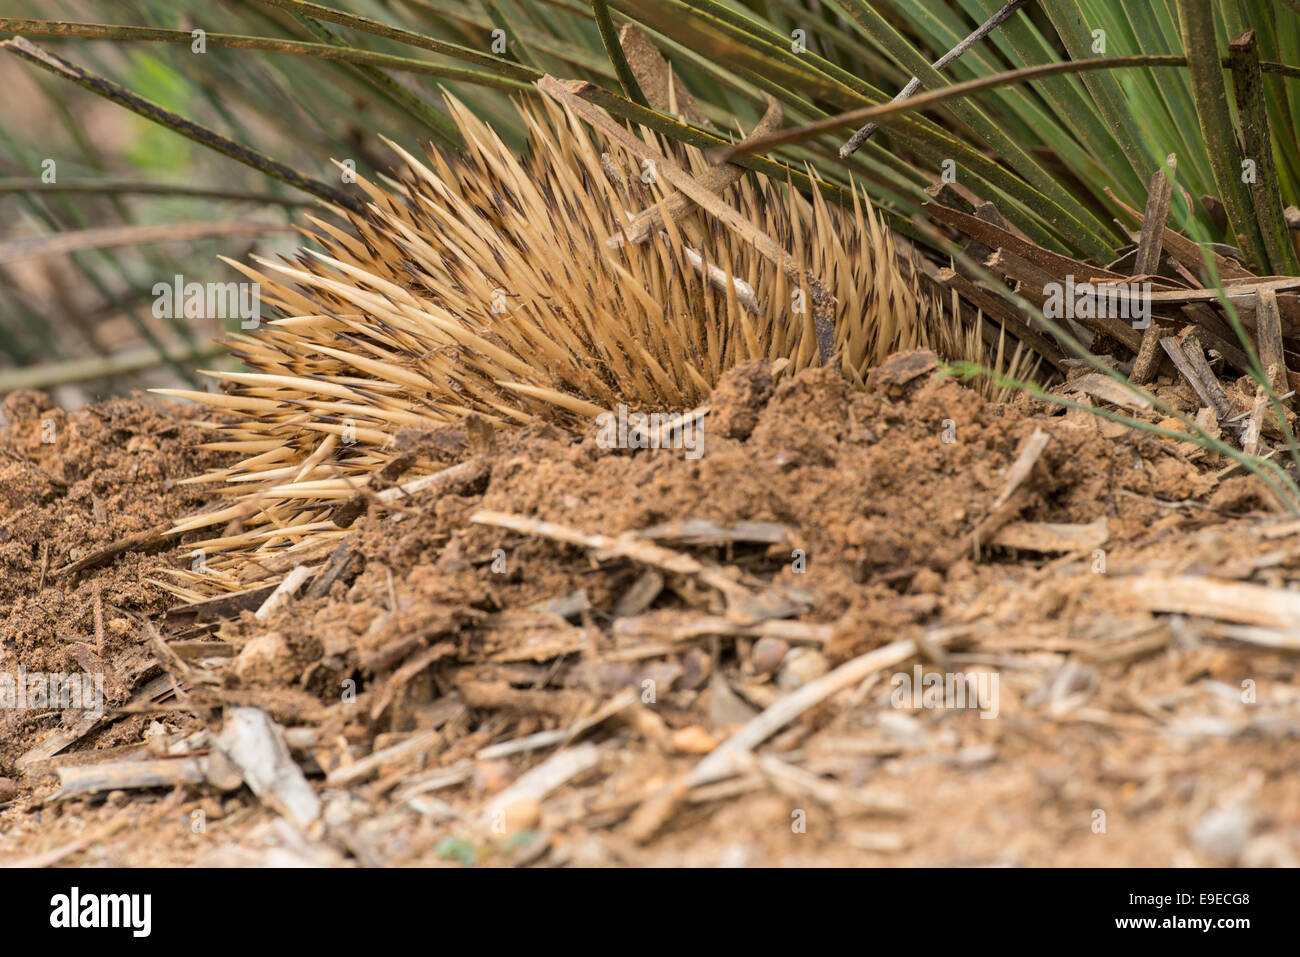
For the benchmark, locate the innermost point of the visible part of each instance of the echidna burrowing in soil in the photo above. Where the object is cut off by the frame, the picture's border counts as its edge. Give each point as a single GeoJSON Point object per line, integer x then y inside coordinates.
{"type": "Point", "coordinates": [491, 285]}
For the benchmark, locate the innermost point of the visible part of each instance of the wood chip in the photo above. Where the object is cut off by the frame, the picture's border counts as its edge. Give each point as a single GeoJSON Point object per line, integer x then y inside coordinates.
{"type": "Point", "coordinates": [641, 595]}
{"type": "Point", "coordinates": [798, 782]}
{"type": "Point", "coordinates": [130, 775]}
{"type": "Point", "coordinates": [1190, 362]}
{"type": "Point", "coordinates": [732, 755]}
{"type": "Point", "coordinates": [663, 89]}
{"type": "Point", "coordinates": [536, 783]}
{"type": "Point", "coordinates": [55, 855]}
{"type": "Point", "coordinates": [362, 769]}
{"type": "Point", "coordinates": [1030, 451]}
{"type": "Point", "coordinates": [699, 531]}
{"type": "Point", "coordinates": [222, 606]}
{"type": "Point", "coordinates": [255, 745]}
{"type": "Point", "coordinates": [1159, 193]}
{"type": "Point", "coordinates": [572, 605]}
{"type": "Point", "coordinates": [283, 592]}
{"type": "Point", "coordinates": [624, 546]}
{"type": "Point", "coordinates": [1287, 639]}
{"type": "Point", "coordinates": [901, 368]}
{"type": "Point", "coordinates": [334, 569]}
{"type": "Point", "coordinates": [678, 626]}
{"type": "Point", "coordinates": [1268, 337]}
{"type": "Point", "coordinates": [1228, 601]}
{"type": "Point", "coordinates": [1104, 387]}
{"type": "Point", "coordinates": [149, 538]}
{"type": "Point", "coordinates": [1052, 536]}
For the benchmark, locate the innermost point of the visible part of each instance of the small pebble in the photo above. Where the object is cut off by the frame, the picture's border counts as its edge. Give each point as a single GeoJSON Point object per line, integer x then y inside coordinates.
{"type": "Point", "coordinates": [693, 740]}
{"type": "Point", "coordinates": [768, 654]}
{"type": "Point", "coordinates": [522, 815]}
{"type": "Point", "coordinates": [493, 776]}
{"type": "Point", "coordinates": [1222, 834]}
{"type": "Point", "coordinates": [697, 665]}
{"type": "Point", "coordinates": [801, 666]}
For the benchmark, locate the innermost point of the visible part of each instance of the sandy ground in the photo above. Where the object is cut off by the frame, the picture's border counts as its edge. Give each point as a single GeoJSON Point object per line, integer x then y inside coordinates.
{"type": "Point", "coordinates": [1118, 728]}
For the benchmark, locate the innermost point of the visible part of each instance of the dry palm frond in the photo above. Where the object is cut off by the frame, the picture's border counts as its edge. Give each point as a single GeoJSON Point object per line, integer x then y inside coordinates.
{"type": "Point", "coordinates": [487, 286]}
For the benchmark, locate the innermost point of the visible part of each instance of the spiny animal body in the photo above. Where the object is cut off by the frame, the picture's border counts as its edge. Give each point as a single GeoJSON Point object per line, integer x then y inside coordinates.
{"type": "Point", "coordinates": [487, 285]}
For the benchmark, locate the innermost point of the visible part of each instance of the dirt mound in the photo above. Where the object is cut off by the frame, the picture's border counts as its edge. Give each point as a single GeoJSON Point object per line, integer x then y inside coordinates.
{"type": "Point", "coordinates": [531, 661]}
{"type": "Point", "coordinates": [71, 483]}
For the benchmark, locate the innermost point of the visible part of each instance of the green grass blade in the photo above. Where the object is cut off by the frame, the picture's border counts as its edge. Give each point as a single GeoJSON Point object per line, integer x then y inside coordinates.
{"type": "Point", "coordinates": [609, 36]}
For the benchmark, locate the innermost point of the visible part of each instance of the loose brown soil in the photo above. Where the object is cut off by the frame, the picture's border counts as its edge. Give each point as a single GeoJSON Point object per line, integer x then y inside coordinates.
{"type": "Point", "coordinates": [1105, 709]}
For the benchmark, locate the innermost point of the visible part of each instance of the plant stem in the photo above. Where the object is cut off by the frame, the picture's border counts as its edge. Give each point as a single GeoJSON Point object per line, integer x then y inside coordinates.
{"type": "Point", "coordinates": [992, 23]}
{"type": "Point", "coordinates": [102, 367]}
{"type": "Point", "coordinates": [1248, 88]}
{"type": "Point", "coordinates": [608, 36]}
{"type": "Point", "coordinates": [102, 86]}
{"type": "Point", "coordinates": [1211, 97]}
{"type": "Point", "coordinates": [323, 51]}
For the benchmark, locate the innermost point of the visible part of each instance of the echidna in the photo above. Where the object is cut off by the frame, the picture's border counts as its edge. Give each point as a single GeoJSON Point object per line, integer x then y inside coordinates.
{"type": "Point", "coordinates": [488, 285]}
